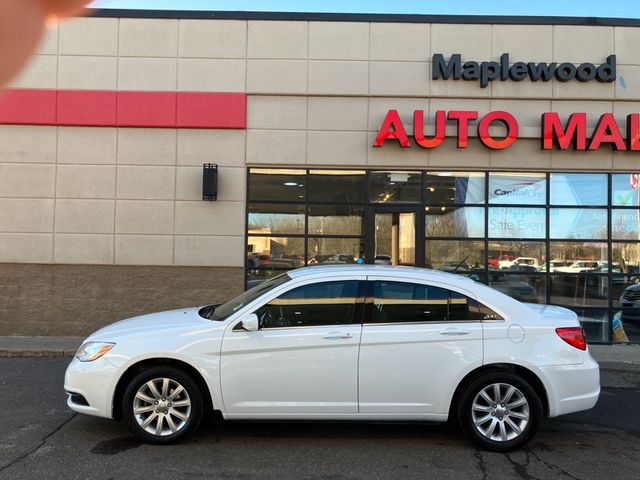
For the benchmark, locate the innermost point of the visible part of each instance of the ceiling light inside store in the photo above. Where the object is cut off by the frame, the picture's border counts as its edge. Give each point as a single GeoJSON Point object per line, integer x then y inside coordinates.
{"type": "Point", "coordinates": [291, 184]}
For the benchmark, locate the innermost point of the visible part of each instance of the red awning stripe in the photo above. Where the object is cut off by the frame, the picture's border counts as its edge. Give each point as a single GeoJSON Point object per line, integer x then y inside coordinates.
{"type": "Point", "coordinates": [100, 108]}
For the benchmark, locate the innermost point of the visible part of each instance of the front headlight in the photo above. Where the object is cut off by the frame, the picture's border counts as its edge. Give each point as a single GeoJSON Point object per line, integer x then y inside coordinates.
{"type": "Point", "coordinates": [91, 351]}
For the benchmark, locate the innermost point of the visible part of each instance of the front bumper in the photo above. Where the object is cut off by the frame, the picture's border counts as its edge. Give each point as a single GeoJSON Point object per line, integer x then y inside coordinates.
{"type": "Point", "coordinates": [572, 388]}
{"type": "Point", "coordinates": [96, 382]}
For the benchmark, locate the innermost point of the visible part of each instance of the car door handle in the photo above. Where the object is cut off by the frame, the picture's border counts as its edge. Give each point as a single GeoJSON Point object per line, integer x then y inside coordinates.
{"type": "Point", "coordinates": [454, 331]}
{"type": "Point", "coordinates": [336, 335]}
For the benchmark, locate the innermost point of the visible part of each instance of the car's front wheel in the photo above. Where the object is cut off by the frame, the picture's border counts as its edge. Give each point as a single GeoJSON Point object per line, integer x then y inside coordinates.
{"type": "Point", "coordinates": [162, 405]}
{"type": "Point", "coordinates": [499, 411]}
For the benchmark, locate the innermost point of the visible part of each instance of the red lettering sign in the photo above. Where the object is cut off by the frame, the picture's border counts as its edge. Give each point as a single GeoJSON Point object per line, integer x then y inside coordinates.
{"type": "Point", "coordinates": [509, 122]}
{"type": "Point", "coordinates": [392, 121]}
{"type": "Point", "coordinates": [418, 129]}
{"type": "Point", "coordinates": [575, 133]}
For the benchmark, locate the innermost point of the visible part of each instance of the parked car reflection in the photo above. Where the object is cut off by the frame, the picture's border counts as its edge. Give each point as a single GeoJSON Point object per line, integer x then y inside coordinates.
{"type": "Point", "coordinates": [516, 286]}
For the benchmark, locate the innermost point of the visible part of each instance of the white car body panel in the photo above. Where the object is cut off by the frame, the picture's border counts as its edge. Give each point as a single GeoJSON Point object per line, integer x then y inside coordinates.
{"type": "Point", "coordinates": [416, 367]}
{"type": "Point", "coordinates": [377, 371]}
{"type": "Point", "coordinates": [312, 370]}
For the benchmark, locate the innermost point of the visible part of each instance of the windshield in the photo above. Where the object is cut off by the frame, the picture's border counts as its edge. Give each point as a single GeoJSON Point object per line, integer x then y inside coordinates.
{"type": "Point", "coordinates": [220, 312]}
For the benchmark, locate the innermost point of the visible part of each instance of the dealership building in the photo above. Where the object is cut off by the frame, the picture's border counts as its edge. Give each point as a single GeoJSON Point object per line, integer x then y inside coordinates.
{"type": "Point", "coordinates": [155, 160]}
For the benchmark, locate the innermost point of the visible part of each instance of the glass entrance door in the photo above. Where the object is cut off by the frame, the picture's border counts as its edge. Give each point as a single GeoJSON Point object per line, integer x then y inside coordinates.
{"type": "Point", "coordinates": [392, 236]}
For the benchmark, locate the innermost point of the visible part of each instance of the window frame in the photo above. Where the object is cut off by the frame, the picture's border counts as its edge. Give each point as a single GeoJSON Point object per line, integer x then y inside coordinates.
{"type": "Point", "coordinates": [357, 315]}
{"type": "Point", "coordinates": [369, 300]}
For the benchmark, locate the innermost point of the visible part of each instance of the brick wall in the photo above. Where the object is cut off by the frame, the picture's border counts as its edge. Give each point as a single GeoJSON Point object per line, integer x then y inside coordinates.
{"type": "Point", "coordinates": [78, 299]}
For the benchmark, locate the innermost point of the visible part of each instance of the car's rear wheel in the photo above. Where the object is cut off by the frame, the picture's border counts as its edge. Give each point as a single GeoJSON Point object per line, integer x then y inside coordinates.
{"type": "Point", "coordinates": [162, 405]}
{"type": "Point", "coordinates": [499, 411]}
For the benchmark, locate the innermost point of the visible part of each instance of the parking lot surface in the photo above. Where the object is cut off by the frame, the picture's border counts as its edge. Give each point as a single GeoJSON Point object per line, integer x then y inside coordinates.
{"type": "Point", "coordinates": [40, 439]}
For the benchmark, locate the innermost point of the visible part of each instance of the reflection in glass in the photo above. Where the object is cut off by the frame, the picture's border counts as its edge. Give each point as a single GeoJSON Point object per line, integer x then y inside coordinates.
{"type": "Point", "coordinates": [454, 222]}
{"type": "Point", "coordinates": [595, 322]}
{"type": "Point", "coordinates": [457, 256]}
{"type": "Point", "coordinates": [341, 186]}
{"type": "Point", "coordinates": [334, 250]}
{"type": "Point", "coordinates": [272, 184]}
{"type": "Point", "coordinates": [392, 187]}
{"type": "Point", "coordinates": [454, 188]}
{"type": "Point", "coordinates": [275, 218]}
{"type": "Point", "coordinates": [584, 289]}
{"type": "Point", "coordinates": [275, 252]}
{"type": "Point", "coordinates": [578, 189]}
{"type": "Point", "coordinates": [625, 290]}
{"type": "Point", "coordinates": [524, 288]}
{"type": "Point", "coordinates": [624, 224]}
{"type": "Point", "coordinates": [335, 220]}
{"type": "Point", "coordinates": [517, 256]}
{"type": "Point", "coordinates": [518, 188]}
{"type": "Point", "coordinates": [577, 257]}
{"type": "Point", "coordinates": [625, 190]}
{"type": "Point", "coordinates": [395, 236]}
{"type": "Point", "coordinates": [517, 222]}
{"type": "Point", "coordinates": [578, 223]}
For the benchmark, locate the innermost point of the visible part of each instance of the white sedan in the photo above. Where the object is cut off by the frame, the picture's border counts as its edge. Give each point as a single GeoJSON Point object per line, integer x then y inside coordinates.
{"type": "Point", "coordinates": [343, 342]}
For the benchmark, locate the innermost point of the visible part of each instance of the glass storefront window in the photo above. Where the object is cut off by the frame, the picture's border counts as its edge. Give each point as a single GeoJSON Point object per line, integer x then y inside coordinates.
{"type": "Point", "coordinates": [588, 189]}
{"type": "Point", "coordinates": [334, 250]}
{"type": "Point", "coordinates": [624, 224]}
{"type": "Point", "coordinates": [395, 187]}
{"type": "Point", "coordinates": [272, 184]}
{"type": "Point", "coordinates": [583, 289]}
{"type": "Point", "coordinates": [456, 256]}
{"type": "Point", "coordinates": [459, 222]}
{"type": "Point", "coordinates": [335, 220]}
{"type": "Point", "coordinates": [625, 189]}
{"type": "Point", "coordinates": [517, 256]}
{"type": "Point", "coordinates": [544, 237]}
{"type": "Point", "coordinates": [578, 223]}
{"type": "Point", "coordinates": [625, 292]}
{"type": "Point", "coordinates": [269, 218]}
{"type": "Point", "coordinates": [275, 252]}
{"type": "Point", "coordinates": [626, 325]}
{"type": "Point", "coordinates": [339, 186]}
{"type": "Point", "coordinates": [454, 188]}
{"type": "Point", "coordinates": [595, 322]}
{"type": "Point", "coordinates": [513, 188]}
{"type": "Point", "coordinates": [524, 288]}
{"type": "Point", "coordinates": [517, 222]}
{"type": "Point", "coordinates": [577, 257]}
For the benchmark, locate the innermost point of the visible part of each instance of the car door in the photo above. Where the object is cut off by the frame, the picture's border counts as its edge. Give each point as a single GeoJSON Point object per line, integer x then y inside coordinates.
{"type": "Point", "coordinates": [303, 360]}
{"type": "Point", "coordinates": [418, 342]}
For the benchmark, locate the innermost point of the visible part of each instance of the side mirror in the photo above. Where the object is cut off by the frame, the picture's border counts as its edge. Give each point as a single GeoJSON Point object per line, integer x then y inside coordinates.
{"type": "Point", "coordinates": [250, 323]}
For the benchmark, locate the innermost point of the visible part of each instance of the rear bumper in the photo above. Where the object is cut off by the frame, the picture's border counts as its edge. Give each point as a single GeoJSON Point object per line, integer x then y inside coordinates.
{"type": "Point", "coordinates": [572, 388]}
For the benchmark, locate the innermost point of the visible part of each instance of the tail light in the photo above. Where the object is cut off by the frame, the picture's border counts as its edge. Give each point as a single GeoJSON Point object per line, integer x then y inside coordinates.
{"type": "Point", "coordinates": [574, 336]}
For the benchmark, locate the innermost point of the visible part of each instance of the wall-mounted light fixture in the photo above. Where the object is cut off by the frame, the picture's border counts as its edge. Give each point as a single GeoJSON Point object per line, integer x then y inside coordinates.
{"type": "Point", "coordinates": [209, 181]}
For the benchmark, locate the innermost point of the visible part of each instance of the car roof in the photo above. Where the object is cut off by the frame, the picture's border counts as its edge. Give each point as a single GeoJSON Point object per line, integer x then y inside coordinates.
{"type": "Point", "coordinates": [395, 271]}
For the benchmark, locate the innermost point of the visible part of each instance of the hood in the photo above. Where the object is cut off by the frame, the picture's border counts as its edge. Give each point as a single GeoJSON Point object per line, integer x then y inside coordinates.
{"type": "Point", "coordinates": [185, 318]}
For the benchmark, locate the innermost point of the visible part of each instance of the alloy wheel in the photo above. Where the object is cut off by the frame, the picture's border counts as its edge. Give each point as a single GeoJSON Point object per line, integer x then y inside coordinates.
{"type": "Point", "coordinates": [500, 412]}
{"type": "Point", "coordinates": [162, 407]}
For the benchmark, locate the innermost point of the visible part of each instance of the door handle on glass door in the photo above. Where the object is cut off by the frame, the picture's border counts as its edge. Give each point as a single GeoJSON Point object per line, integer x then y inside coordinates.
{"type": "Point", "coordinates": [454, 331]}
{"type": "Point", "coordinates": [336, 335]}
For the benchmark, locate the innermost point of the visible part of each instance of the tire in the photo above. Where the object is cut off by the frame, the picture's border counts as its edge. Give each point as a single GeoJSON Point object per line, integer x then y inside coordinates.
{"type": "Point", "coordinates": [489, 425]}
{"type": "Point", "coordinates": [162, 405]}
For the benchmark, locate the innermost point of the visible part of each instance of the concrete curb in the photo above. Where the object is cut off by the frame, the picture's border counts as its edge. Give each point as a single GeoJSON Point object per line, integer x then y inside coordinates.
{"type": "Point", "coordinates": [39, 346]}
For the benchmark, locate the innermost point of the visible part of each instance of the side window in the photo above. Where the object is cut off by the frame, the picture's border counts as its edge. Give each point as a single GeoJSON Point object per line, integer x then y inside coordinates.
{"type": "Point", "coordinates": [399, 302]}
{"type": "Point", "coordinates": [478, 311]}
{"type": "Point", "coordinates": [327, 303]}
{"type": "Point", "coordinates": [458, 307]}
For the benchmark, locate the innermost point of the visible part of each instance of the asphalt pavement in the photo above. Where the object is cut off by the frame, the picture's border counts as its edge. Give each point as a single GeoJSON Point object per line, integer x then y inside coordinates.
{"type": "Point", "coordinates": [41, 439]}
